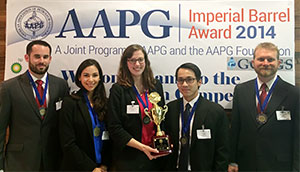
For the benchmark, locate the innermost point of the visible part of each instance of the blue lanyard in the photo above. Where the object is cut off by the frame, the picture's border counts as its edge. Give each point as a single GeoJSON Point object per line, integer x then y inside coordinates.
{"type": "Point", "coordinates": [140, 98]}
{"type": "Point", "coordinates": [185, 127]}
{"type": "Point", "coordinates": [41, 100]}
{"type": "Point", "coordinates": [98, 143]}
{"type": "Point", "coordinates": [93, 114]}
{"type": "Point", "coordinates": [263, 106]}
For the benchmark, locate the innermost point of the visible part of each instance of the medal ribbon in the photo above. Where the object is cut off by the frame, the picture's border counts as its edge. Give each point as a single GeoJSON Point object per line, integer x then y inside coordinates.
{"type": "Point", "coordinates": [140, 98]}
{"type": "Point", "coordinates": [264, 104]}
{"type": "Point", "coordinates": [98, 143]}
{"type": "Point", "coordinates": [40, 99]}
{"type": "Point", "coordinates": [185, 127]}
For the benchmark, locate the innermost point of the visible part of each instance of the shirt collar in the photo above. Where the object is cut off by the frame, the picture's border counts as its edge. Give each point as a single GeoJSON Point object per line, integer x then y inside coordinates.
{"type": "Point", "coordinates": [192, 102]}
{"type": "Point", "coordinates": [43, 78]}
{"type": "Point", "coordinates": [269, 84]}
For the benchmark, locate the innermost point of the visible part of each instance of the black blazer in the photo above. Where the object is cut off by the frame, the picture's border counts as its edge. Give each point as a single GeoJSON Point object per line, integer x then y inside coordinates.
{"type": "Point", "coordinates": [122, 127]}
{"type": "Point", "coordinates": [31, 139]}
{"type": "Point", "coordinates": [76, 135]}
{"type": "Point", "coordinates": [273, 146]}
{"type": "Point", "coordinates": [205, 154]}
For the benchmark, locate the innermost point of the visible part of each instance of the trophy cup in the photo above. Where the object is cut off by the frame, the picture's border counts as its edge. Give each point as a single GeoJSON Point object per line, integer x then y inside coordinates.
{"type": "Point", "coordinates": [157, 114]}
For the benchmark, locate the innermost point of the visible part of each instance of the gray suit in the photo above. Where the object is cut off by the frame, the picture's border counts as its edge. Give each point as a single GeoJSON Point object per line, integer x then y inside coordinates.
{"type": "Point", "coordinates": [32, 141]}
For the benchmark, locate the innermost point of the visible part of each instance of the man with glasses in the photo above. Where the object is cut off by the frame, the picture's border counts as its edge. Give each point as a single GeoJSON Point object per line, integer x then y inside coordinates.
{"type": "Point", "coordinates": [197, 127]}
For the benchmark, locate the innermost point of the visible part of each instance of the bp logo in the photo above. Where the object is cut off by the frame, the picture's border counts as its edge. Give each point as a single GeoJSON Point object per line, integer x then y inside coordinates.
{"type": "Point", "coordinates": [34, 22]}
{"type": "Point", "coordinates": [16, 67]}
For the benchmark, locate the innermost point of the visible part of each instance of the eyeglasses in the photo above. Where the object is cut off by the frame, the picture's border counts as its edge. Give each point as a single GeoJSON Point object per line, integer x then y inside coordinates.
{"type": "Point", "coordinates": [187, 80]}
{"type": "Point", "coordinates": [133, 61]}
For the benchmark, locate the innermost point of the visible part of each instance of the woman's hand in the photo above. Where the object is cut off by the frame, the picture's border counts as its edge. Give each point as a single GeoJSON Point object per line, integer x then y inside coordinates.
{"type": "Point", "coordinates": [145, 148]}
{"type": "Point", "coordinates": [148, 150]}
{"type": "Point", "coordinates": [102, 168]}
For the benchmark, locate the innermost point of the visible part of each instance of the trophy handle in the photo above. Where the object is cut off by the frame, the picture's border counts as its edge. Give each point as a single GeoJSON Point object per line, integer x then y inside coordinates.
{"type": "Point", "coordinates": [164, 111]}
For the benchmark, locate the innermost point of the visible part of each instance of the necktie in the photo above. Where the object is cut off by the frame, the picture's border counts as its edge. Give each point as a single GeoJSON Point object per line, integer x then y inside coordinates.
{"type": "Point", "coordinates": [262, 96]}
{"type": "Point", "coordinates": [41, 91]}
{"type": "Point", "coordinates": [186, 113]}
{"type": "Point", "coordinates": [185, 149]}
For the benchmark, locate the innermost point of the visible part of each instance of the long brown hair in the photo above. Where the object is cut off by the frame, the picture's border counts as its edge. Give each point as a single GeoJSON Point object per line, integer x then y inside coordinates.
{"type": "Point", "coordinates": [124, 76]}
{"type": "Point", "coordinates": [99, 98]}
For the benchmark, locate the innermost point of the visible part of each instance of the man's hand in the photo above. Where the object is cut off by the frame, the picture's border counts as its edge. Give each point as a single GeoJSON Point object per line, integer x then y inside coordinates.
{"type": "Point", "coordinates": [233, 167]}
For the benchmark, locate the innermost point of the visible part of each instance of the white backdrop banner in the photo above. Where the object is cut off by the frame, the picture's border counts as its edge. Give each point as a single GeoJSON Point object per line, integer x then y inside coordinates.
{"type": "Point", "coordinates": [218, 36]}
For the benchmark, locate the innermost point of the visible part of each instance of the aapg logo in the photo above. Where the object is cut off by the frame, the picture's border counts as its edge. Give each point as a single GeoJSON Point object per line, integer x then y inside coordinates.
{"type": "Point", "coordinates": [34, 22]}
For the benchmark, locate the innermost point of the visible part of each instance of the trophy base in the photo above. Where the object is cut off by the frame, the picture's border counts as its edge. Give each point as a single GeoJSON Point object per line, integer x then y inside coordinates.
{"type": "Point", "coordinates": [162, 144]}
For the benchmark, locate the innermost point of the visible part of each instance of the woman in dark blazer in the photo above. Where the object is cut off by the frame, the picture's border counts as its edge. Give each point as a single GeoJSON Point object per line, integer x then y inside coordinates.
{"type": "Point", "coordinates": [130, 129]}
{"type": "Point", "coordinates": [84, 139]}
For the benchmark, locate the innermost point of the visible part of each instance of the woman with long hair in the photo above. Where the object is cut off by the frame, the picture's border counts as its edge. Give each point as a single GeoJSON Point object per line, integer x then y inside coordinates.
{"type": "Point", "coordinates": [131, 130]}
{"type": "Point", "coordinates": [83, 134]}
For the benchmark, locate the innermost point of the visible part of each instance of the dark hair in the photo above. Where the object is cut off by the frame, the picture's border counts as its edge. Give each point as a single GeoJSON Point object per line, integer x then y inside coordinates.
{"type": "Point", "coordinates": [268, 46]}
{"type": "Point", "coordinates": [99, 98]}
{"type": "Point", "coordinates": [124, 76]}
{"type": "Point", "coordinates": [37, 42]}
{"type": "Point", "coordinates": [192, 67]}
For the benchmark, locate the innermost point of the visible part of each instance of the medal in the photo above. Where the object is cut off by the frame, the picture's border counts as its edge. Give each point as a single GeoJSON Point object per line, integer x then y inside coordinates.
{"type": "Point", "coordinates": [183, 140]}
{"type": "Point", "coordinates": [42, 111]}
{"type": "Point", "coordinates": [261, 118]}
{"type": "Point", "coordinates": [97, 131]}
{"type": "Point", "coordinates": [146, 120]}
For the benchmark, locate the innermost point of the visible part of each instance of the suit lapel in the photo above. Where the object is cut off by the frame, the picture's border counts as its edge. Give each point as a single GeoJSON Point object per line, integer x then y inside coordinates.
{"type": "Point", "coordinates": [199, 118]}
{"type": "Point", "coordinates": [27, 89]}
{"type": "Point", "coordinates": [52, 93]}
{"type": "Point", "coordinates": [132, 94]}
{"type": "Point", "coordinates": [252, 105]}
{"type": "Point", "coordinates": [86, 115]}
{"type": "Point", "coordinates": [278, 96]}
{"type": "Point", "coordinates": [176, 119]}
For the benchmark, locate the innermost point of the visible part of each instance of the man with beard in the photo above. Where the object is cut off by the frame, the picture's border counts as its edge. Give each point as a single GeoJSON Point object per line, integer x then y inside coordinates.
{"type": "Point", "coordinates": [28, 110]}
{"type": "Point", "coordinates": [265, 118]}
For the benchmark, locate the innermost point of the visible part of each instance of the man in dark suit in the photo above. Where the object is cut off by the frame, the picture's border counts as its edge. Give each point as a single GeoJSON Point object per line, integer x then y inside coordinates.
{"type": "Point", "coordinates": [198, 128]}
{"type": "Point", "coordinates": [265, 118]}
{"type": "Point", "coordinates": [29, 110]}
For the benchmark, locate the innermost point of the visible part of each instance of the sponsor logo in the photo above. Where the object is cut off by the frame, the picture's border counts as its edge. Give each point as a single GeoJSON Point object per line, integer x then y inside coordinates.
{"type": "Point", "coordinates": [244, 63]}
{"type": "Point", "coordinates": [16, 67]}
{"type": "Point", "coordinates": [34, 22]}
{"type": "Point", "coordinates": [231, 64]}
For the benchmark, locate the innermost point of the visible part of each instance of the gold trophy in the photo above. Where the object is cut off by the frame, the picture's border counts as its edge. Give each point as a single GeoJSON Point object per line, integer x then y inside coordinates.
{"type": "Point", "coordinates": [157, 114]}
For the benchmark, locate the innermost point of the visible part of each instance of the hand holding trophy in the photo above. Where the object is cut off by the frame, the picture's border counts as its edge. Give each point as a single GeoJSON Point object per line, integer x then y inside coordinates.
{"type": "Point", "coordinates": [157, 114]}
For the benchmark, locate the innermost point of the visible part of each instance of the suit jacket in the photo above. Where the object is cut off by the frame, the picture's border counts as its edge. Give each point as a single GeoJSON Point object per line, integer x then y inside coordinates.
{"type": "Point", "coordinates": [205, 154]}
{"type": "Point", "coordinates": [122, 127]}
{"type": "Point", "coordinates": [76, 135]}
{"type": "Point", "coordinates": [273, 146]}
{"type": "Point", "coordinates": [31, 139]}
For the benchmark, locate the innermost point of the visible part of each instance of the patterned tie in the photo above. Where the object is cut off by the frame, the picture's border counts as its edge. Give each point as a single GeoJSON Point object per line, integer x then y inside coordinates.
{"type": "Point", "coordinates": [41, 91]}
{"type": "Point", "coordinates": [262, 96]}
{"type": "Point", "coordinates": [185, 149]}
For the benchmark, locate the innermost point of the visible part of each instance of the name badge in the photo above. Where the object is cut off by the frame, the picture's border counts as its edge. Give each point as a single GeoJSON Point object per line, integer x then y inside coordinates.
{"type": "Point", "coordinates": [105, 135]}
{"type": "Point", "coordinates": [133, 109]}
{"type": "Point", "coordinates": [203, 134]}
{"type": "Point", "coordinates": [283, 115]}
{"type": "Point", "coordinates": [58, 105]}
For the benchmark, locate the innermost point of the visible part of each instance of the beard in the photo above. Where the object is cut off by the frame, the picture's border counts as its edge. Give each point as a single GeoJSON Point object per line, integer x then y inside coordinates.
{"type": "Point", "coordinates": [38, 71]}
{"type": "Point", "coordinates": [266, 73]}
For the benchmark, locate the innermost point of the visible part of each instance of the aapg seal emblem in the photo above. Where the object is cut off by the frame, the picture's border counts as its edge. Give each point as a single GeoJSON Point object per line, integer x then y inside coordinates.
{"type": "Point", "coordinates": [34, 22]}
